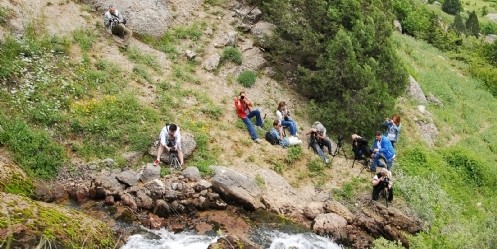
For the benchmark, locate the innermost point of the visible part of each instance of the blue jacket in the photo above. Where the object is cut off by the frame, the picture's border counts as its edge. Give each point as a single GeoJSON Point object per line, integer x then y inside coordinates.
{"type": "Point", "coordinates": [386, 148]}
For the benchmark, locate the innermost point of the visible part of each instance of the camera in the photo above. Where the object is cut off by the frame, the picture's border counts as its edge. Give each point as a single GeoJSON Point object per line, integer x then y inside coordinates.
{"type": "Point", "coordinates": [386, 182]}
{"type": "Point", "coordinates": [340, 141]}
{"type": "Point", "coordinates": [242, 97]}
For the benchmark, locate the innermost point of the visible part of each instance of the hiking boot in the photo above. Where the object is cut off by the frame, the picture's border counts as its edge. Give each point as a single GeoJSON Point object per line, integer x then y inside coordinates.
{"type": "Point", "coordinates": [257, 140]}
{"type": "Point", "coordinates": [326, 161]}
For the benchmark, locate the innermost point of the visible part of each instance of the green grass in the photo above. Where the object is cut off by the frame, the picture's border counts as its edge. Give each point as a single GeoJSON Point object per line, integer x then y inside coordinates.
{"type": "Point", "coordinates": [84, 38]}
{"type": "Point", "coordinates": [144, 59]}
{"type": "Point", "coordinates": [231, 54]}
{"type": "Point", "coordinates": [451, 186]}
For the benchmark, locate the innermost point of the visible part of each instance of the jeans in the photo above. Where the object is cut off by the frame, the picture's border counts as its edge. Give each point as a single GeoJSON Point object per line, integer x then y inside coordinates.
{"type": "Point", "coordinates": [317, 149]}
{"type": "Point", "coordinates": [292, 126]}
{"type": "Point", "coordinates": [249, 125]}
{"type": "Point", "coordinates": [376, 161]}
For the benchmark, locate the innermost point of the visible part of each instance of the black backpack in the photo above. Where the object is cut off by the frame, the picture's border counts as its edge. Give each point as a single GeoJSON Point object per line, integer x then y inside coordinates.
{"type": "Point", "coordinates": [271, 139]}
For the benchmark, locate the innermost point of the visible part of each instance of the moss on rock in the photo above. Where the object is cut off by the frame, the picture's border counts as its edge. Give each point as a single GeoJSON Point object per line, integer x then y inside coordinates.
{"type": "Point", "coordinates": [27, 222]}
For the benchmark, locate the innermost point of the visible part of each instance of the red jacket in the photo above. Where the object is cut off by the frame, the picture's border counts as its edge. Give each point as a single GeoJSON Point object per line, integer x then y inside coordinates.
{"type": "Point", "coordinates": [242, 107]}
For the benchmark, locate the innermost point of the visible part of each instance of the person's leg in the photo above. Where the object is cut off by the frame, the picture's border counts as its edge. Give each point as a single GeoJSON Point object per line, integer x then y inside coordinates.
{"type": "Point", "coordinates": [159, 153]}
{"type": "Point", "coordinates": [127, 34]}
{"type": "Point", "coordinates": [118, 30]}
{"type": "Point", "coordinates": [250, 128]}
{"type": "Point", "coordinates": [390, 194]}
{"type": "Point", "coordinates": [326, 142]}
{"type": "Point", "coordinates": [389, 164]}
{"type": "Point", "coordinates": [290, 126]}
{"type": "Point", "coordinates": [393, 143]}
{"type": "Point", "coordinates": [257, 114]}
{"type": "Point", "coordinates": [317, 149]}
{"type": "Point", "coordinates": [376, 192]}
{"type": "Point", "coordinates": [180, 157]}
{"type": "Point", "coordinates": [376, 158]}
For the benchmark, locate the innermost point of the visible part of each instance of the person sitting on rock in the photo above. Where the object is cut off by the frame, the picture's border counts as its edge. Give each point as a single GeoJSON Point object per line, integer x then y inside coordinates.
{"type": "Point", "coordinates": [286, 121]}
{"type": "Point", "coordinates": [381, 180]}
{"type": "Point", "coordinates": [170, 139]}
{"type": "Point", "coordinates": [115, 23]}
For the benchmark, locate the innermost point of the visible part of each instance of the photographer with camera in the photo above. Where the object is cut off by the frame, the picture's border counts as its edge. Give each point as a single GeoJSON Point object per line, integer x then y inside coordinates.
{"type": "Point", "coordinates": [318, 140]}
{"type": "Point", "coordinates": [243, 109]}
{"type": "Point", "coordinates": [170, 139]}
{"type": "Point", "coordinates": [360, 147]}
{"type": "Point", "coordinates": [381, 180]}
{"type": "Point", "coordinates": [115, 23]}
{"type": "Point", "coordinates": [393, 128]}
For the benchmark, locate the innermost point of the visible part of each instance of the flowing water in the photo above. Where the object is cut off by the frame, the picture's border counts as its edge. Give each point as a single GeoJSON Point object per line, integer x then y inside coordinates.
{"type": "Point", "coordinates": [163, 239]}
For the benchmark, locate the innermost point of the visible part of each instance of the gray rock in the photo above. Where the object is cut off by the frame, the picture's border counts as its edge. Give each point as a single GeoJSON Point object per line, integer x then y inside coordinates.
{"type": "Point", "coordinates": [150, 172]}
{"type": "Point", "coordinates": [144, 201]}
{"type": "Point", "coordinates": [202, 185]}
{"type": "Point", "coordinates": [103, 185]}
{"type": "Point", "coordinates": [227, 39]}
{"type": "Point", "coordinates": [261, 30]}
{"type": "Point", "coordinates": [236, 188]}
{"type": "Point", "coordinates": [250, 13]}
{"type": "Point", "coordinates": [490, 38]}
{"type": "Point", "coordinates": [415, 92]}
{"type": "Point", "coordinates": [200, 203]}
{"type": "Point", "coordinates": [162, 209]}
{"type": "Point", "coordinates": [427, 130]}
{"type": "Point", "coordinates": [150, 17]}
{"type": "Point", "coordinates": [432, 99]}
{"type": "Point", "coordinates": [397, 25]}
{"type": "Point", "coordinates": [254, 59]}
{"type": "Point", "coordinates": [330, 224]}
{"type": "Point", "coordinates": [218, 204]}
{"type": "Point", "coordinates": [108, 162]}
{"type": "Point", "coordinates": [313, 209]}
{"type": "Point", "coordinates": [190, 55]}
{"type": "Point", "coordinates": [109, 200]}
{"type": "Point", "coordinates": [129, 201]}
{"type": "Point", "coordinates": [132, 157]}
{"type": "Point", "coordinates": [332, 206]}
{"type": "Point", "coordinates": [128, 177]}
{"type": "Point", "coordinates": [212, 62]}
{"type": "Point", "coordinates": [192, 173]}
{"type": "Point", "coordinates": [156, 188]}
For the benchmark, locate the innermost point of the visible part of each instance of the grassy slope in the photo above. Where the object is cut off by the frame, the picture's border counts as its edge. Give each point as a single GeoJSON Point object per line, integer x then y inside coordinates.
{"type": "Point", "coordinates": [452, 184]}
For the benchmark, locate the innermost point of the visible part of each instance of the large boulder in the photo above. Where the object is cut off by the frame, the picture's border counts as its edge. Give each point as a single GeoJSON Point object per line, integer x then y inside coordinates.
{"type": "Point", "coordinates": [144, 17]}
{"type": "Point", "coordinates": [332, 206]}
{"type": "Point", "coordinates": [415, 92]}
{"type": "Point", "coordinates": [332, 224]}
{"type": "Point", "coordinates": [149, 173]}
{"type": "Point", "coordinates": [236, 188]}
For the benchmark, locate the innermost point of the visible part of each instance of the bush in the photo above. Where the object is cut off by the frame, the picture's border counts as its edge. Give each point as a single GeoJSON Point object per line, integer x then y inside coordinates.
{"type": "Point", "coordinates": [232, 54]}
{"type": "Point", "coordinates": [294, 153]}
{"type": "Point", "coordinates": [247, 78]}
{"type": "Point", "coordinates": [488, 28]}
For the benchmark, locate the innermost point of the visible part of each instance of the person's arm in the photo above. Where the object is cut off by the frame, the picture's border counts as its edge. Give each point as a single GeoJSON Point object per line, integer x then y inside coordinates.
{"type": "Point", "coordinates": [120, 16]}
{"type": "Point", "coordinates": [238, 104]}
{"type": "Point", "coordinates": [377, 180]}
{"type": "Point", "coordinates": [162, 136]}
{"type": "Point", "coordinates": [279, 115]}
{"type": "Point", "coordinates": [107, 19]}
{"type": "Point", "coordinates": [310, 131]}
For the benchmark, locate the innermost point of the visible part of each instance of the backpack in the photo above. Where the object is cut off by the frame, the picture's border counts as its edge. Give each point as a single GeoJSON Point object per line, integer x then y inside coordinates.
{"type": "Point", "coordinates": [271, 139]}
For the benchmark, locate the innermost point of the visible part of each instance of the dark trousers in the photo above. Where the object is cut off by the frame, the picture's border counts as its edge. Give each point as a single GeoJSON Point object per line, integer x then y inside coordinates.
{"type": "Point", "coordinates": [377, 189]}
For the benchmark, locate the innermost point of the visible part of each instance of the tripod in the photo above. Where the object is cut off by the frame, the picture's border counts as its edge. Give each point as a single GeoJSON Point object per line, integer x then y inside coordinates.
{"type": "Point", "coordinates": [339, 148]}
{"type": "Point", "coordinates": [364, 161]}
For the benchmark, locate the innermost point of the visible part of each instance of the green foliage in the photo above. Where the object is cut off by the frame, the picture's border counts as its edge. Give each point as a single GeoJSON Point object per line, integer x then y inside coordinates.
{"type": "Point", "coordinates": [4, 14]}
{"type": "Point", "coordinates": [33, 150]}
{"type": "Point", "coordinates": [458, 24]}
{"type": "Point", "coordinates": [315, 167]}
{"type": "Point", "coordinates": [232, 54]}
{"type": "Point", "coordinates": [470, 167]}
{"type": "Point", "coordinates": [259, 180]}
{"type": "Point", "coordinates": [452, 7]}
{"type": "Point", "coordinates": [143, 73]}
{"type": "Point", "coordinates": [18, 185]}
{"type": "Point", "coordinates": [473, 25]}
{"type": "Point", "coordinates": [206, 153]}
{"type": "Point", "coordinates": [382, 243]}
{"type": "Point", "coordinates": [344, 57]}
{"type": "Point", "coordinates": [349, 190]}
{"type": "Point", "coordinates": [247, 78]}
{"type": "Point", "coordinates": [84, 38]}
{"type": "Point", "coordinates": [294, 153]}
{"type": "Point", "coordinates": [488, 28]}
{"type": "Point", "coordinates": [213, 111]}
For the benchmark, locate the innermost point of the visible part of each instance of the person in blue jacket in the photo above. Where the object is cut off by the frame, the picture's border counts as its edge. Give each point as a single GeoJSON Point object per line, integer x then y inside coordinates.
{"type": "Point", "coordinates": [382, 148]}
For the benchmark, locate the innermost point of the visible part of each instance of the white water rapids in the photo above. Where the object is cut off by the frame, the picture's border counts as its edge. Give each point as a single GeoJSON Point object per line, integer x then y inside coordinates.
{"type": "Point", "coordinates": [164, 239]}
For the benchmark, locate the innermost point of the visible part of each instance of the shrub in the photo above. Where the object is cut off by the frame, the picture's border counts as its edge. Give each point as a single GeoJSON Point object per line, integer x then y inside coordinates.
{"type": "Point", "coordinates": [488, 28]}
{"type": "Point", "coordinates": [294, 153]}
{"type": "Point", "coordinates": [232, 54]}
{"type": "Point", "coordinates": [247, 78]}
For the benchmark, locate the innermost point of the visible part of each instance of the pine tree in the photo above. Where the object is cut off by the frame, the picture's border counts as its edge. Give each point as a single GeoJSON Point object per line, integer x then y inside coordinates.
{"type": "Point", "coordinates": [458, 25]}
{"type": "Point", "coordinates": [472, 24]}
{"type": "Point", "coordinates": [452, 6]}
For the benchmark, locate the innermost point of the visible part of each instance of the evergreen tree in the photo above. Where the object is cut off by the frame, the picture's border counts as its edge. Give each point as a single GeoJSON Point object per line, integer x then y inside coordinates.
{"type": "Point", "coordinates": [458, 25]}
{"type": "Point", "coordinates": [452, 6]}
{"type": "Point", "coordinates": [472, 24]}
{"type": "Point", "coordinates": [344, 56]}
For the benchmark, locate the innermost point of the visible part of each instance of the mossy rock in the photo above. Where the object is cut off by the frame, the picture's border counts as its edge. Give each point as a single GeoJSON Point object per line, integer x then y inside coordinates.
{"type": "Point", "coordinates": [13, 179]}
{"type": "Point", "coordinates": [27, 222]}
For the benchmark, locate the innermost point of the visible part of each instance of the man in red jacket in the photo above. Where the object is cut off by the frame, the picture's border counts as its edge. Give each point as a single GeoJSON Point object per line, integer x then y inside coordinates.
{"type": "Point", "coordinates": [243, 108]}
